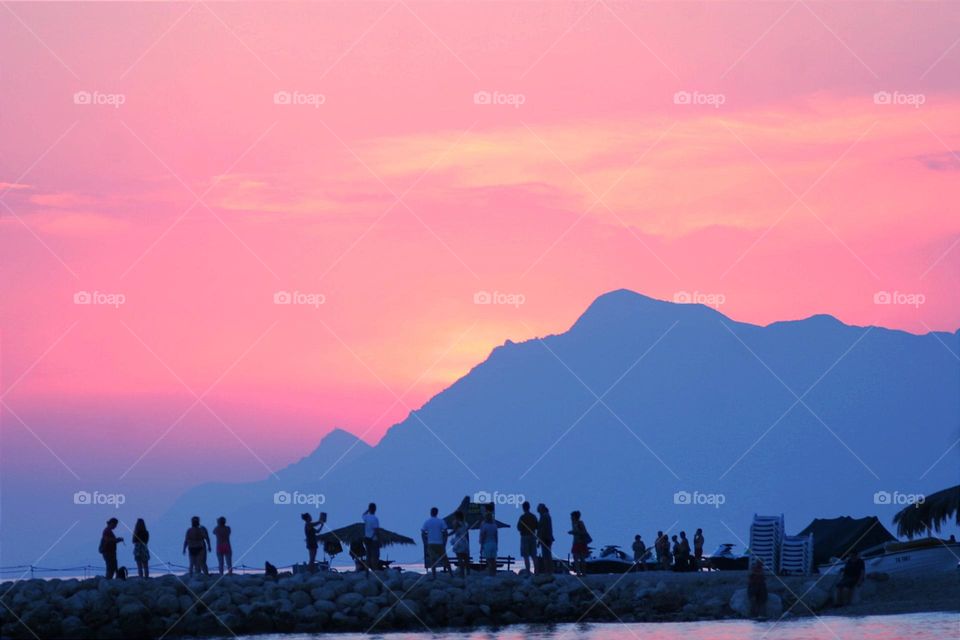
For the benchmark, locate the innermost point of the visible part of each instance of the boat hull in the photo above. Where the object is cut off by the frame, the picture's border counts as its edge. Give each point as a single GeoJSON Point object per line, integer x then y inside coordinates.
{"type": "Point", "coordinates": [938, 559]}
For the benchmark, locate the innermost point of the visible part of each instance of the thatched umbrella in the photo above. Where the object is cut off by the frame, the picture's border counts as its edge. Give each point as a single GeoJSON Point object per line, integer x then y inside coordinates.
{"type": "Point", "coordinates": [354, 533]}
{"type": "Point", "coordinates": [936, 509]}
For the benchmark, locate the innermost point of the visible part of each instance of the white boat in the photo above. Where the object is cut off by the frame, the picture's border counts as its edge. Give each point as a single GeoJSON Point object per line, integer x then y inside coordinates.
{"type": "Point", "coordinates": [915, 558]}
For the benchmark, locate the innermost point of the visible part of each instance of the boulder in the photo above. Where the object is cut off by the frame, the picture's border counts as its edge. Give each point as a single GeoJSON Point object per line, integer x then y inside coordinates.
{"type": "Point", "coordinates": [350, 600]}
{"type": "Point", "coordinates": [741, 604]}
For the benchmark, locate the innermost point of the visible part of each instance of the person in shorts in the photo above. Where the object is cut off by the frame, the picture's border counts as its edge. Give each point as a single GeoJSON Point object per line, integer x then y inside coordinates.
{"type": "Point", "coordinates": [527, 526]}
{"type": "Point", "coordinates": [434, 533]}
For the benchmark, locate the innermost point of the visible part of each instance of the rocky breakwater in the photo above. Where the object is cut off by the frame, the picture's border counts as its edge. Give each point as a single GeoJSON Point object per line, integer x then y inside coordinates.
{"type": "Point", "coordinates": [173, 606]}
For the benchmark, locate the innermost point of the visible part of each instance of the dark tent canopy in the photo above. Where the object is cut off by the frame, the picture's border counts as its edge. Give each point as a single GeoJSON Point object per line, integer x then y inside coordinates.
{"type": "Point", "coordinates": [836, 537]}
{"type": "Point", "coordinates": [472, 514]}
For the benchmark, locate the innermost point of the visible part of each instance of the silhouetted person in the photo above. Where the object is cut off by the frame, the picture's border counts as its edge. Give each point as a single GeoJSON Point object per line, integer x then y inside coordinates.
{"type": "Point", "coordinates": [197, 542]}
{"type": "Point", "coordinates": [224, 551]}
{"type": "Point", "coordinates": [757, 590]}
{"type": "Point", "coordinates": [662, 547]}
{"type": "Point", "coordinates": [527, 526]}
{"type": "Point", "coordinates": [108, 547]}
{"type": "Point", "coordinates": [310, 529]}
{"type": "Point", "coordinates": [371, 536]}
{"type": "Point", "coordinates": [698, 549]}
{"type": "Point", "coordinates": [676, 552]}
{"type": "Point", "coordinates": [433, 532]}
{"type": "Point", "coordinates": [489, 540]}
{"type": "Point", "coordinates": [545, 538]}
{"type": "Point", "coordinates": [461, 542]}
{"type": "Point", "coordinates": [581, 541]}
{"type": "Point", "coordinates": [683, 561]}
{"type": "Point", "coordinates": [851, 576]}
{"type": "Point", "coordinates": [639, 551]}
{"type": "Point", "coordinates": [141, 552]}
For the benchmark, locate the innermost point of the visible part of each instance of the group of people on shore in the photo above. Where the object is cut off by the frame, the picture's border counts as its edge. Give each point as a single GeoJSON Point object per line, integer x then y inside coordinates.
{"type": "Point", "coordinates": [677, 556]}
{"type": "Point", "coordinates": [536, 540]}
{"type": "Point", "coordinates": [196, 543]}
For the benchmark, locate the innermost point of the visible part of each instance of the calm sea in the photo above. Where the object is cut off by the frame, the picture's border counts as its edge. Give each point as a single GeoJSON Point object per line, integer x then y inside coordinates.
{"type": "Point", "coordinates": [915, 626]}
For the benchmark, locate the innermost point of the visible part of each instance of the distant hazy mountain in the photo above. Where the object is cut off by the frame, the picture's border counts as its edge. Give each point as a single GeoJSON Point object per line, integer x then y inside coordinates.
{"type": "Point", "coordinates": [690, 401]}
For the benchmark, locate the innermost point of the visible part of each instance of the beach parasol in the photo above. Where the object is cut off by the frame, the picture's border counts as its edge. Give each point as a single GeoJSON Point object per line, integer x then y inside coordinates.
{"type": "Point", "coordinates": [936, 509]}
{"type": "Point", "coordinates": [354, 532]}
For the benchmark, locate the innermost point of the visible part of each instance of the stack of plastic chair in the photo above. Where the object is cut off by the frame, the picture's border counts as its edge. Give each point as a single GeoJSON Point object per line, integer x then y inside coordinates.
{"type": "Point", "coordinates": [796, 555]}
{"type": "Point", "coordinates": [766, 539]}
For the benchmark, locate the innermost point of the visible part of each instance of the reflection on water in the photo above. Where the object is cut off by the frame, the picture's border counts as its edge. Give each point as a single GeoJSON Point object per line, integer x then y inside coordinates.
{"type": "Point", "coordinates": [916, 626]}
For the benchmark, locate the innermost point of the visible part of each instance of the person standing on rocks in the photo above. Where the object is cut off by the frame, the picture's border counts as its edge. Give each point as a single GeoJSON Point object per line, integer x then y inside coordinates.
{"type": "Point", "coordinates": [527, 526]}
{"type": "Point", "coordinates": [683, 561]}
{"type": "Point", "coordinates": [197, 542]}
{"type": "Point", "coordinates": [433, 532]}
{"type": "Point", "coordinates": [310, 529]}
{"type": "Point", "coordinates": [581, 542]}
{"type": "Point", "coordinates": [141, 553]}
{"type": "Point", "coordinates": [639, 551]}
{"type": "Point", "coordinates": [698, 550]}
{"type": "Point", "coordinates": [489, 540]}
{"type": "Point", "coordinates": [757, 590]}
{"type": "Point", "coordinates": [851, 577]}
{"type": "Point", "coordinates": [663, 551]}
{"type": "Point", "coordinates": [461, 543]}
{"type": "Point", "coordinates": [545, 538]}
{"type": "Point", "coordinates": [108, 547]}
{"type": "Point", "coordinates": [676, 553]}
{"type": "Point", "coordinates": [224, 550]}
{"type": "Point", "coordinates": [371, 537]}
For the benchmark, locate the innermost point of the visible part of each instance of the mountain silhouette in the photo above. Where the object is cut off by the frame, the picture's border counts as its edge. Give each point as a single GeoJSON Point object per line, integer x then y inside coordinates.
{"type": "Point", "coordinates": [636, 416]}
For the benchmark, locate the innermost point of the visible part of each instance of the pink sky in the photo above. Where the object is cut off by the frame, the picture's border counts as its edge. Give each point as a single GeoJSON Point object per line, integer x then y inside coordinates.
{"type": "Point", "coordinates": [799, 194]}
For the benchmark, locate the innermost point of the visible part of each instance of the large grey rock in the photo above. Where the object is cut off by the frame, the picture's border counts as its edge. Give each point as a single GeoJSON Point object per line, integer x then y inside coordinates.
{"type": "Point", "coordinates": [740, 603]}
{"type": "Point", "coordinates": [350, 600]}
